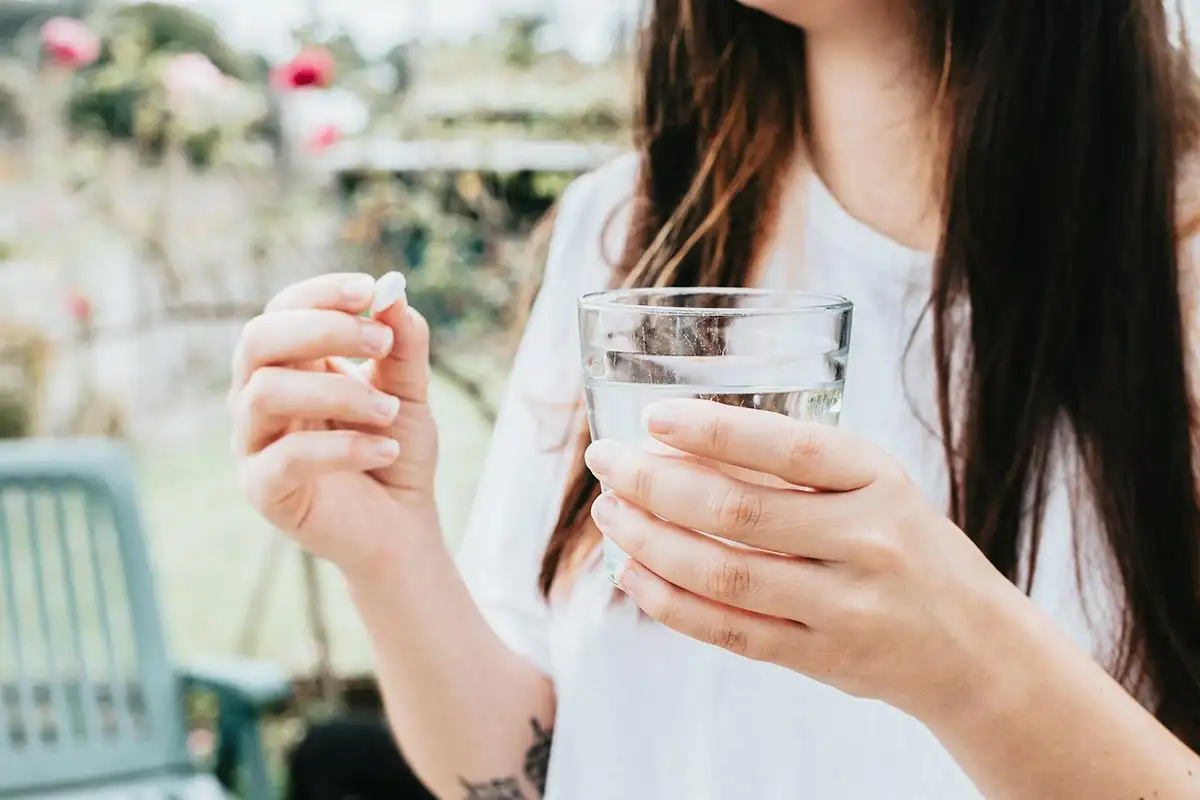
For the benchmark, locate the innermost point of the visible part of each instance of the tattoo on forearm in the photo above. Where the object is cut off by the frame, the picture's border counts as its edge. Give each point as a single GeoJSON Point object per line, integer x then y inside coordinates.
{"type": "Point", "coordinates": [537, 764]}
{"type": "Point", "coordinates": [537, 758]}
{"type": "Point", "coordinates": [503, 789]}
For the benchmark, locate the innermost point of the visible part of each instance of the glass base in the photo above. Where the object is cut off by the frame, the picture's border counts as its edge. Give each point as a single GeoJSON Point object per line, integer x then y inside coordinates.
{"type": "Point", "coordinates": [614, 559]}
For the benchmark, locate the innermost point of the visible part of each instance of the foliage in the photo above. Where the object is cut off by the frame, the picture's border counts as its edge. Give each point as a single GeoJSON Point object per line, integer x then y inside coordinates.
{"type": "Point", "coordinates": [521, 32]}
{"type": "Point", "coordinates": [15, 421]}
{"type": "Point", "coordinates": [399, 58]}
{"type": "Point", "coordinates": [457, 236]}
{"type": "Point", "coordinates": [172, 29]}
{"type": "Point", "coordinates": [22, 376]}
{"type": "Point", "coordinates": [113, 96]}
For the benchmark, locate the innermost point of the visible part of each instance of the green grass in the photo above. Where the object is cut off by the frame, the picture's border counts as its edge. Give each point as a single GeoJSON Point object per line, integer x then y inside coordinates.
{"type": "Point", "coordinates": [208, 545]}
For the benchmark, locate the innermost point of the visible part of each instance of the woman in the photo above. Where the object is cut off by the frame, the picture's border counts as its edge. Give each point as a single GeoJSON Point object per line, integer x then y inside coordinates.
{"type": "Point", "coordinates": [998, 593]}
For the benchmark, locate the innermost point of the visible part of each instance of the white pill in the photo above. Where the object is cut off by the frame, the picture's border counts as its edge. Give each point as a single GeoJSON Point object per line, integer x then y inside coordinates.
{"type": "Point", "coordinates": [388, 291]}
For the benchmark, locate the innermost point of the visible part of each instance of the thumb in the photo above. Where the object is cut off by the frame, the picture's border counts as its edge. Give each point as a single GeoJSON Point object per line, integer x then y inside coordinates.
{"type": "Point", "coordinates": [404, 372]}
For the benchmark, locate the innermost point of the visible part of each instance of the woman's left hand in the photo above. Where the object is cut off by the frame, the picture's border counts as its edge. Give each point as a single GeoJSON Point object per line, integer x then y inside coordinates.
{"type": "Point", "coordinates": [855, 580]}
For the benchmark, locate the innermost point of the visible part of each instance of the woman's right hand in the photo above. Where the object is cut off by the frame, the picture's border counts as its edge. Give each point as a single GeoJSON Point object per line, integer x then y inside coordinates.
{"type": "Point", "coordinates": [340, 456]}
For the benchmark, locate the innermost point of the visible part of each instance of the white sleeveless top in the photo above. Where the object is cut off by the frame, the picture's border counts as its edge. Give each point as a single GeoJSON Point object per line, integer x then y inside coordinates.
{"type": "Point", "coordinates": [645, 713]}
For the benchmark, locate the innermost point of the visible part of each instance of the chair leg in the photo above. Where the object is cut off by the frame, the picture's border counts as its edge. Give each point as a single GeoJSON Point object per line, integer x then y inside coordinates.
{"type": "Point", "coordinates": [255, 775]}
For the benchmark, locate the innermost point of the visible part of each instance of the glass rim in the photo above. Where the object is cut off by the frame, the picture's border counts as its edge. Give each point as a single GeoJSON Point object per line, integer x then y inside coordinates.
{"type": "Point", "coordinates": [797, 301]}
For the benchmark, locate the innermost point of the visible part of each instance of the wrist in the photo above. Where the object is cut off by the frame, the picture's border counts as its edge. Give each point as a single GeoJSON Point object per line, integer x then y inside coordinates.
{"type": "Point", "coordinates": [415, 541]}
{"type": "Point", "coordinates": [1011, 658]}
{"type": "Point", "coordinates": [991, 677]}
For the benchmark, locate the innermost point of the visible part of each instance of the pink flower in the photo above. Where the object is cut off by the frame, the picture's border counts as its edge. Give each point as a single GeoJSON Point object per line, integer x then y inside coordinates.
{"type": "Point", "coordinates": [189, 75]}
{"type": "Point", "coordinates": [324, 138]}
{"type": "Point", "coordinates": [69, 43]}
{"type": "Point", "coordinates": [79, 307]}
{"type": "Point", "coordinates": [311, 68]}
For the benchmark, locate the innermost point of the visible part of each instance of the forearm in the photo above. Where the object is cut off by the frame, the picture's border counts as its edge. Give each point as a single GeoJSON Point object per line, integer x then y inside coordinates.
{"type": "Point", "coordinates": [1049, 722]}
{"type": "Point", "coordinates": [464, 707]}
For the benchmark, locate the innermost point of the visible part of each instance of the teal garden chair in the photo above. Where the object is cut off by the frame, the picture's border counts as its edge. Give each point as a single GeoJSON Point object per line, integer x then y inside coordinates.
{"type": "Point", "coordinates": [90, 704]}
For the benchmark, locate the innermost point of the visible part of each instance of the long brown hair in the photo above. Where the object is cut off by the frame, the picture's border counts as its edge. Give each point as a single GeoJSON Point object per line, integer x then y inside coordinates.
{"type": "Point", "coordinates": [1066, 125]}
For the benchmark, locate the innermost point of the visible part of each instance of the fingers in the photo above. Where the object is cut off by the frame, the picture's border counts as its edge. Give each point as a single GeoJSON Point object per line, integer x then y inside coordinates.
{"type": "Point", "coordinates": [273, 477]}
{"type": "Point", "coordinates": [349, 292]}
{"type": "Point", "coordinates": [274, 397]}
{"type": "Point", "coordinates": [785, 521]}
{"type": "Point", "coordinates": [801, 453]}
{"type": "Point", "coordinates": [742, 632]}
{"type": "Point", "coordinates": [753, 580]}
{"type": "Point", "coordinates": [293, 336]}
{"type": "Point", "coordinates": [404, 373]}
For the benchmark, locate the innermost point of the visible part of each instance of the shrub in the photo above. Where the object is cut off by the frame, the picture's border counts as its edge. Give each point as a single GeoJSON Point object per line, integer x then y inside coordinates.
{"type": "Point", "coordinates": [16, 418]}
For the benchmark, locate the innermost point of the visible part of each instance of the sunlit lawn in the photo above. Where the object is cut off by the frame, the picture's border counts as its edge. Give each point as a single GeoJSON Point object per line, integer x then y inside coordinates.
{"type": "Point", "coordinates": [208, 545]}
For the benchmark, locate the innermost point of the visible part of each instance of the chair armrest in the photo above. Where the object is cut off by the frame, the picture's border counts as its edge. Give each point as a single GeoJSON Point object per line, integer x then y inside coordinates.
{"type": "Point", "coordinates": [255, 685]}
{"type": "Point", "coordinates": [245, 690]}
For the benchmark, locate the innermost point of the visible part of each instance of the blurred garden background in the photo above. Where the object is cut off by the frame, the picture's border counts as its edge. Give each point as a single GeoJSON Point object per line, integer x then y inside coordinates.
{"type": "Point", "coordinates": [166, 168]}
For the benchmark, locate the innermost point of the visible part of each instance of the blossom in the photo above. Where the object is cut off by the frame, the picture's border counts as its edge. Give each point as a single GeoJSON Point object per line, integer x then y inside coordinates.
{"type": "Point", "coordinates": [324, 138]}
{"type": "Point", "coordinates": [79, 307]}
{"type": "Point", "coordinates": [192, 75]}
{"type": "Point", "coordinates": [311, 68]}
{"type": "Point", "coordinates": [69, 43]}
{"type": "Point", "coordinates": [201, 97]}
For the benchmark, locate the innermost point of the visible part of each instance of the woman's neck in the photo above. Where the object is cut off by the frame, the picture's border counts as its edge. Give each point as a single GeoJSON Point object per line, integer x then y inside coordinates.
{"type": "Point", "coordinates": [873, 141]}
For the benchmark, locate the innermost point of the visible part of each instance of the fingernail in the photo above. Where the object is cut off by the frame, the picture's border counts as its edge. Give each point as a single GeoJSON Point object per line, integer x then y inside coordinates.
{"type": "Point", "coordinates": [386, 406]}
{"type": "Point", "coordinates": [377, 338]}
{"type": "Point", "coordinates": [387, 448]}
{"type": "Point", "coordinates": [388, 291]}
{"type": "Point", "coordinates": [626, 577]}
{"type": "Point", "coordinates": [659, 419]}
{"type": "Point", "coordinates": [605, 509]}
{"type": "Point", "coordinates": [601, 456]}
{"type": "Point", "coordinates": [359, 288]}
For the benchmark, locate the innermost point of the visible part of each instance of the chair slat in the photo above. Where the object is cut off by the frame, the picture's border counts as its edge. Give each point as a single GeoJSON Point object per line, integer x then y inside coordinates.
{"type": "Point", "coordinates": [93, 511]}
{"type": "Point", "coordinates": [23, 702]}
{"type": "Point", "coordinates": [55, 726]}
{"type": "Point", "coordinates": [87, 693]}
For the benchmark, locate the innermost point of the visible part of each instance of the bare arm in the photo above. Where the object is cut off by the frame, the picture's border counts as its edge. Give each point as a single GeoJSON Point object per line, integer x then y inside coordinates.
{"type": "Point", "coordinates": [1050, 723]}
{"type": "Point", "coordinates": [472, 717]}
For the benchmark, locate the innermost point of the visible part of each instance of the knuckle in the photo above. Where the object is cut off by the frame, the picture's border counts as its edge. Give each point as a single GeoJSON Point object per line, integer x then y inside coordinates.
{"type": "Point", "coordinates": [256, 479]}
{"type": "Point", "coordinates": [334, 445]}
{"type": "Point", "coordinates": [878, 551]}
{"type": "Point", "coordinates": [803, 444]}
{"type": "Point", "coordinates": [258, 395]}
{"type": "Point", "coordinates": [641, 481]}
{"type": "Point", "coordinates": [714, 434]}
{"type": "Point", "coordinates": [252, 333]}
{"type": "Point", "coordinates": [861, 613]}
{"type": "Point", "coordinates": [665, 609]}
{"type": "Point", "coordinates": [729, 579]}
{"type": "Point", "coordinates": [728, 637]}
{"type": "Point", "coordinates": [738, 510]}
{"type": "Point", "coordinates": [635, 540]}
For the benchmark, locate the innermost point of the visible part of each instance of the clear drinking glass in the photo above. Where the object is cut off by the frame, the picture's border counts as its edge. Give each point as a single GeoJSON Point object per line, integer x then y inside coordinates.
{"type": "Point", "coordinates": [778, 351]}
